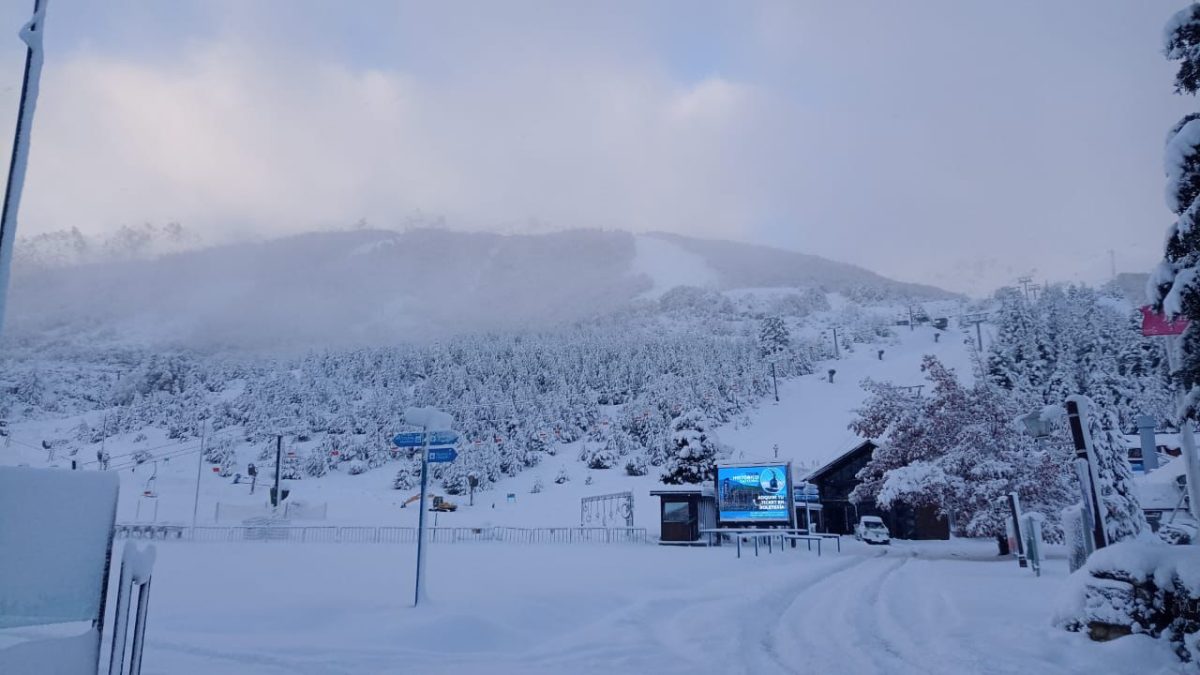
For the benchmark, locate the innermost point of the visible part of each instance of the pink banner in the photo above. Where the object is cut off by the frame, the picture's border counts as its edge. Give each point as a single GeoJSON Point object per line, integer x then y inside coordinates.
{"type": "Point", "coordinates": [1154, 323]}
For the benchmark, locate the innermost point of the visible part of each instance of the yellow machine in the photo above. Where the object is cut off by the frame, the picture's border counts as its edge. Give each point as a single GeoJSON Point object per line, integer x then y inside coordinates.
{"type": "Point", "coordinates": [438, 503]}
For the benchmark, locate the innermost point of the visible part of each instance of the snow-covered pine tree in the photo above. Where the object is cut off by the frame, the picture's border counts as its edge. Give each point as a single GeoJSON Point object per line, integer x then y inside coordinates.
{"type": "Point", "coordinates": [1175, 284]}
{"type": "Point", "coordinates": [693, 452]}
{"type": "Point", "coordinates": [1123, 514]}
{"type": "Point", "coordinates": [1016, 360]}
{"type": "Point", "coordinates": [773, 337]}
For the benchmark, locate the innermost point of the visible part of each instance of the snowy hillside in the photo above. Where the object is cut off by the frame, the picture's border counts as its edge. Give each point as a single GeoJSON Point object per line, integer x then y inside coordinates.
{"type": "Point", "coordinates": [365, 287]}
{"type": "Point", "coordinates": [549, 434]}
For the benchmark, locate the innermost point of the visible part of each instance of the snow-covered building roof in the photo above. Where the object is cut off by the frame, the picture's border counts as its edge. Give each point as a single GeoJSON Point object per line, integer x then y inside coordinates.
{"type": "Point", "coordinates": [853, 449]}
{"type": "Point", "coordinates": [1161, 489]}
{"type": "Point", "coordinates": [702, 490]}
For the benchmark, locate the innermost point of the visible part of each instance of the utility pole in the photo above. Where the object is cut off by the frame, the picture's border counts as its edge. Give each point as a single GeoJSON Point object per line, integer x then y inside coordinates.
{"type": "Point", "coordinates": [774, 382]}
{"type": "Point", "coordinates": [836, 353]}
{"type": "Point", "coordinates": [31, 35]}
{"type": "Point", "coordinates": [1025, 282]}
{"type": "Point", "coordinates": [199, 466]}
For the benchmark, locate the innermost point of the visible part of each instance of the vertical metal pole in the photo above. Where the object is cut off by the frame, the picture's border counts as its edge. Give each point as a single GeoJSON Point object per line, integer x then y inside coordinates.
{"type": "Point", "coordinates": [1191, 464]}
{"type": "Point", "coordinates": [774, 382]}
{"type": "Point", "coordinates": [199, 466]}
{"type": "Point", "coordinates": [1146, 426]}
{"type": "Point", "coordinates": [1014, 509]}
{"type": "Point", "coordinates": [139, 629]}
{"type": "Point", "coordinates": [418, 590]}
{"type": "Point", "coordinates": [277, 495]}
{"type": "Point", "coordinates": [31, 35]}
{"type": "Point", "coordinates": [116, 657]}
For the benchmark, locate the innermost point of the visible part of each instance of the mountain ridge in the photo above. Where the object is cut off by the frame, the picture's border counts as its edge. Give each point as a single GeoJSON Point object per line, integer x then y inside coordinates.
{"type": "Point", "coordinates": [378, 286]}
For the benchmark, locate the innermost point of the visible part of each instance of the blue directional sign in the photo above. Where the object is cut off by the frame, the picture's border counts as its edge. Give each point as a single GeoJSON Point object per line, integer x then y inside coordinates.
{"type": "Point", "coordinates": [442, 454]}
{"type": "Point", "coordinates": [415, 439]}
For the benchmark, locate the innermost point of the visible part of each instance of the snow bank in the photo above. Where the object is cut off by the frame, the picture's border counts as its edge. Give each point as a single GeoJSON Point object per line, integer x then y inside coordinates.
{"type": "Point", "coordinates": [56, 656]}
{"type": "Point", "coordinates": [1136, 587]}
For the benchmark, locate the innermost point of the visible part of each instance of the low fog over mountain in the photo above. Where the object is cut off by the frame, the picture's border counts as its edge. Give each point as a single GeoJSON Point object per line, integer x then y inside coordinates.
{"type": "Point", "coordinates": [375, 286]}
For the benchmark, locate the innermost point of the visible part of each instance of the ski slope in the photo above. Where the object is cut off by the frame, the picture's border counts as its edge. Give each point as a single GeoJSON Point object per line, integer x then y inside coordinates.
{"type": "Point", "coordinates": [809, 423]}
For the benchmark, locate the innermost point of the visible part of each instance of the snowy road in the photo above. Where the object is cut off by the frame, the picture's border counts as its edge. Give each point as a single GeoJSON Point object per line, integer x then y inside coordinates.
{"type": "Point", "coordinates": [318, 609]}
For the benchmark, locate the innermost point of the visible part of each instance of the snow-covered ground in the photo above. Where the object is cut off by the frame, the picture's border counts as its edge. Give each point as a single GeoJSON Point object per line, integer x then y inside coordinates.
{"type": "Point", "coordinates": [945, 607]}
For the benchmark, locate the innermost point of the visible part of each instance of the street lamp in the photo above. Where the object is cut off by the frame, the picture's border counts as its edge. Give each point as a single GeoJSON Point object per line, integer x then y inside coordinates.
{"type": "Point", "coordinates": [1037, 425]}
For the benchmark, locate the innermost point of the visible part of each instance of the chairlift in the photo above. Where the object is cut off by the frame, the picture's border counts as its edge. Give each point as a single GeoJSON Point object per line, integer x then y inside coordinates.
{"type": "Point", "coordinates": [148, 487]}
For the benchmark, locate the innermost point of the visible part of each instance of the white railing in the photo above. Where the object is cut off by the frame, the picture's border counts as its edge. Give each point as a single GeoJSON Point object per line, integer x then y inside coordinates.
{"type": "Point", "coordinates": [386, 534]}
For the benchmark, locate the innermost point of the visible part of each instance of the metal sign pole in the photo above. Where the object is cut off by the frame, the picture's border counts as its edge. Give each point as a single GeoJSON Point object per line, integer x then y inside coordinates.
{"type": "Point", "coordinates": [417, 590]}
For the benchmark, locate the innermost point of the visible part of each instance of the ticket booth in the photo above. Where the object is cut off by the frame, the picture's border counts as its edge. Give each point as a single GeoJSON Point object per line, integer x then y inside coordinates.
{"type": "Point", "coordinates": [684, 512]}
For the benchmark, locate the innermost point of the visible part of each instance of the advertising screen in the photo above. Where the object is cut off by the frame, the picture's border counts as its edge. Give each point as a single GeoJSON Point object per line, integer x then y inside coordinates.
{"type": "Point", "coordinates": [757, 493]}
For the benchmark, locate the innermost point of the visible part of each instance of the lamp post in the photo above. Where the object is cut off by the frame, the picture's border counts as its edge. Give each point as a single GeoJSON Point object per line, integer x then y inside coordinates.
{"type": "Point", "coordinates": [31, 35]}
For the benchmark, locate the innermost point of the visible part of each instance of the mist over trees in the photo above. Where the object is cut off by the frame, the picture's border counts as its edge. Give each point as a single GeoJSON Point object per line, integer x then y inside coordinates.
{"type": "Point", "coordinates": [638, 391]}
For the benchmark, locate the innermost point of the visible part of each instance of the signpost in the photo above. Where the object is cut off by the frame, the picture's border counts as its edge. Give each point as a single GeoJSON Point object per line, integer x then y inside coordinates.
{"type": "Point", "coordinates": [416, 439]}
{"type": "Point", "coordinates": [423, 439]}
{"type": "Point", "coordinates": [1157, 324]}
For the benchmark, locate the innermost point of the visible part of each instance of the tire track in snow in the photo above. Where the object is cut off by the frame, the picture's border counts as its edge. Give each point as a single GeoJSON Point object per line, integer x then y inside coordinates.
{"type": "Point", "coordinates": [834, 625]}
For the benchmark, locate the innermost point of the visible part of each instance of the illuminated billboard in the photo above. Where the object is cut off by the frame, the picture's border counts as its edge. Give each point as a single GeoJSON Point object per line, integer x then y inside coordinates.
{"type": "Point", "coordinates": [754, 493]}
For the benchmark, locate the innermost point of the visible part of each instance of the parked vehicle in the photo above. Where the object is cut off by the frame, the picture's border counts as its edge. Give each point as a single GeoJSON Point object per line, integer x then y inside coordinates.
{"type": "Point", "coordinates": [872, 530]}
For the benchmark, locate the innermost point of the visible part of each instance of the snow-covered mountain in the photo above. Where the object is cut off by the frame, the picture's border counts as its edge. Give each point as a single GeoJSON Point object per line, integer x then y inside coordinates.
{"type": "Point", "coordinates": [378, 287]}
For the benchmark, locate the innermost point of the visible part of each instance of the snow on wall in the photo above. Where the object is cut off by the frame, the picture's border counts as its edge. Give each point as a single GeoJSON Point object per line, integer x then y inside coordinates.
{"type": "Point", "coordinates": [54, 543]}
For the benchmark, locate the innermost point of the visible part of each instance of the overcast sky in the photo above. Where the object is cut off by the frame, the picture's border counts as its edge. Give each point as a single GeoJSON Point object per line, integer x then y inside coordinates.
{"type": "Point", "coordinates": [953, 142]}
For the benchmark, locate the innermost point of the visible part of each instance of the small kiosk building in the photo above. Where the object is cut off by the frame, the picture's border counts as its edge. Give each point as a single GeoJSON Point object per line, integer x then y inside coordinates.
{"type": "Point", "coordinates": [685, 511]}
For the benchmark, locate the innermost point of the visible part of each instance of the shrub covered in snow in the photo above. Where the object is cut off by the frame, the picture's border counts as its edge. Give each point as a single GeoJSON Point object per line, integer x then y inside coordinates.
{"type": "Point", "coordinates": [598, 457]}
{"type": "Point", "coordinates": [637, 466]}
{"type": "Point", "coordinates": [1136, 587]}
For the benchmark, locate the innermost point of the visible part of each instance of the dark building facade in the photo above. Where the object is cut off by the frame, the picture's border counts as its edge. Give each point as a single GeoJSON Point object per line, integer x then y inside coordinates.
{"type": "Point", "coordinates": [836, 480]}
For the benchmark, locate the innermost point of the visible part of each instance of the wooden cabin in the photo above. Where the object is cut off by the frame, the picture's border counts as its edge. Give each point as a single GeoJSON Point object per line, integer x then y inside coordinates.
{"type": "Point", "coordinates": [837, 479]}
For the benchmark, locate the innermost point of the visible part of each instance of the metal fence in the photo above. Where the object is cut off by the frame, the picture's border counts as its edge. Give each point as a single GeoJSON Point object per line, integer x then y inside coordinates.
{"type": "Point", "coordinates": [387, 535]}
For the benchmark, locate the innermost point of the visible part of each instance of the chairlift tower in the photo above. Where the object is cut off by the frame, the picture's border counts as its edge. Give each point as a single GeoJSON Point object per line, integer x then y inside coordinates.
{"type": "Point", "coordinates": [978, 319]}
